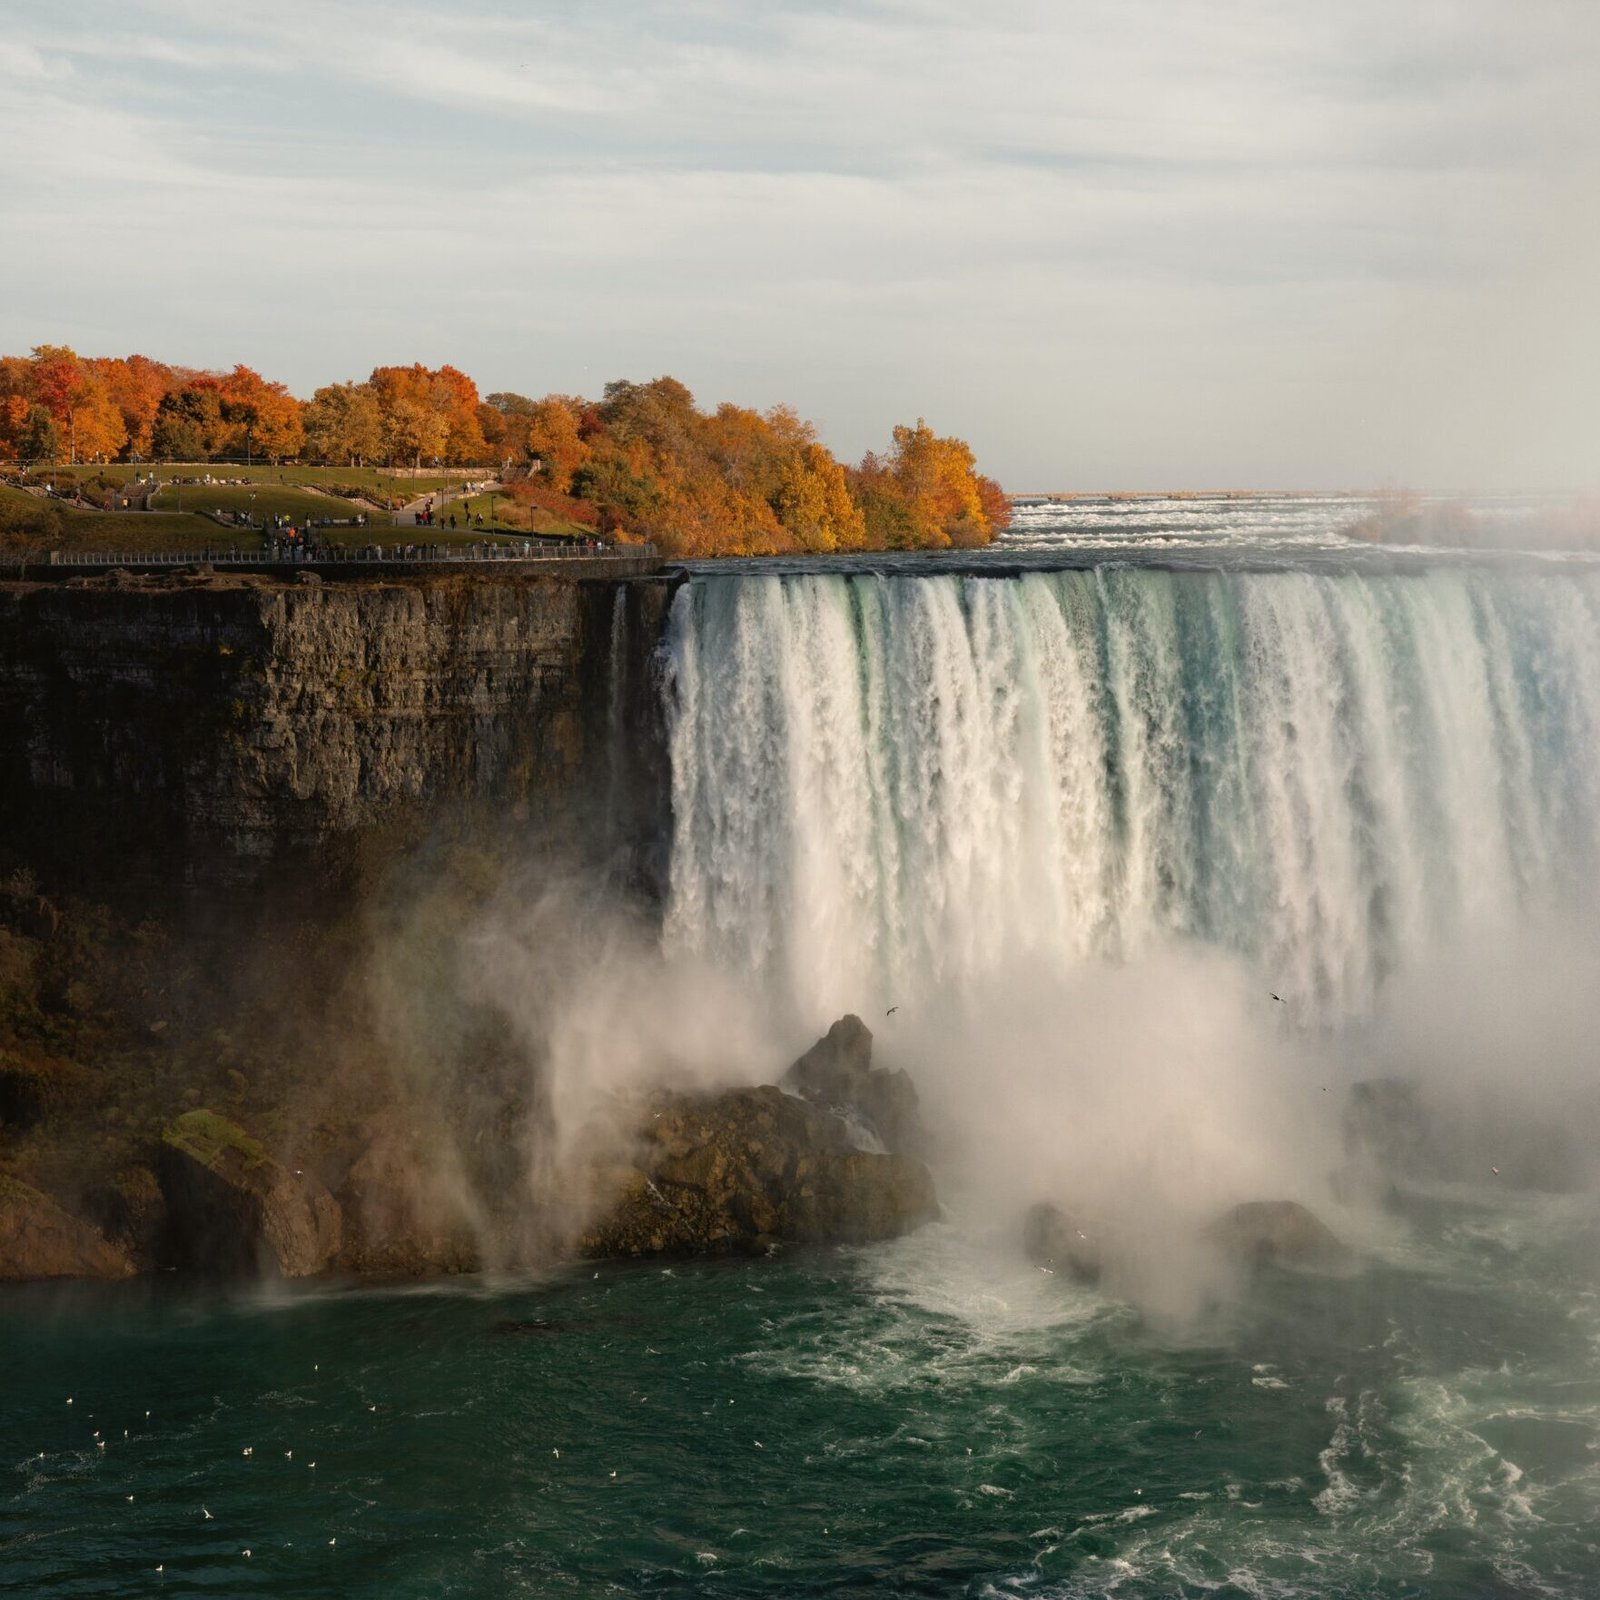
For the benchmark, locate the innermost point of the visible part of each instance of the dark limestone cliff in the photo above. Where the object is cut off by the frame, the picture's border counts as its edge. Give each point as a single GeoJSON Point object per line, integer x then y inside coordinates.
{"type": "Point", "coordinates": [207, 731]}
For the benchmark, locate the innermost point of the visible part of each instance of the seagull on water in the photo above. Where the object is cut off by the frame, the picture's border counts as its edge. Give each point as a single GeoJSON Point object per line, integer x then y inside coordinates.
{"type": "Point", "coordinates": [249, 1449]}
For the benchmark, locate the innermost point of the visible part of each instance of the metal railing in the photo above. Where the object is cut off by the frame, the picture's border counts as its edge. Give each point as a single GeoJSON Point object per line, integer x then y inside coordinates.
{"type": "Point", "coordinates": [385, 554]}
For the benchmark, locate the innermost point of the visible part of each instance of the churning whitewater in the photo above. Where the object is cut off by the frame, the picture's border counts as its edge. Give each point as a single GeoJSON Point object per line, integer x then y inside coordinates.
{"type": "Point", "coordinates": [886, 783]}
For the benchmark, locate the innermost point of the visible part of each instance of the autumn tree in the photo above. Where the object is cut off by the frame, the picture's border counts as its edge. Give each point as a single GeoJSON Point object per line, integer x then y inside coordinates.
{"type": "Point", "coordinates": [190, 424]}
{"type": "Point", "coordinates": [551, 433]}
{"type": "Point", "coordinates": [263, 418]}
{"type": "Point", "coordinates": [344, 423]}
{"type": "Point", "coordinates": [136, 386]}
{"type": "Point", "coordinates": [429, 415]}
{"type": "Point", "coordinates": [926, 490]}
{"type": "Point", "coordinates": [75, 395]}
{"type": "Point", "coordinates": [814, 503]}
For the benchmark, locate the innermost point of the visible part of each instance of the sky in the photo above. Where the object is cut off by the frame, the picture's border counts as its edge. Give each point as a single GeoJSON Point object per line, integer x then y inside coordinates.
{"type": "Point", "coordinates": [1115, 244]}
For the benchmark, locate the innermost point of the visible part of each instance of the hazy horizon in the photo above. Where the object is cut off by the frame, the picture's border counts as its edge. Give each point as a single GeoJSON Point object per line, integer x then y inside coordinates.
{"type": "Point", "coordinates": [1132, 246]}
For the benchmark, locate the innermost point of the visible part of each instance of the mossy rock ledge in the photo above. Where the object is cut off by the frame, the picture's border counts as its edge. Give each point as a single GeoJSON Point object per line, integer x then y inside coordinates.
{"type": "Point", "coordinates": [233, 1210]}
{"type": "Point", "coordinates": [40, 1240]}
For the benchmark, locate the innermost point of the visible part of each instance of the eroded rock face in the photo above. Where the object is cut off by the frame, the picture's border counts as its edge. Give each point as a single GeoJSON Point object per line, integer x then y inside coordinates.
{"type": "Point", "coordinates": [1058, 1242]}
{"type": "Point", "coordinates": [232, 1209]}
{"type": "Point", "coordinates": [133, 1214]}
{"type": "Point", "coordinates": [40, 1240]}
{"type": "Point", "coordinates": [231, 731]}
{"type": "Point", "coordinates": [743, 1169]}
{"type": "Point", "coordinates": [397, 1220]}
{"type": "Point", "coordinates": [1278, 1233]}
{"type": "Point", "coordinates": [837, 1074]}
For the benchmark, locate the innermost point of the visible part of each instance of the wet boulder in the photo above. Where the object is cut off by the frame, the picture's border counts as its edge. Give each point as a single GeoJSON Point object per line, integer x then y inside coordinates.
{"type": "Point", "coordinates": [40, 1240]}
{"type": "Point", "coordinates": [1056, 1241]}
{"type": "Point", "coordinates": [1278, 1233]}
{"type": "Point", "coordinates": [740, 1170]}
{"type": "Point", "coordinates": [232, 1209]}
{"type": "Point", "coordinates": [837, 1074]}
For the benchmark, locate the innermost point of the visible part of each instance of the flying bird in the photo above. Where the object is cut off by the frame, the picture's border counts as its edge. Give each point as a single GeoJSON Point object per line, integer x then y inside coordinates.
{"type": "Point", "coordinates": [204, 1513]}
{"type": "Point", "coordinates": [1279, 998]}
{"type": "Point", "coordinates": [891, 1011]}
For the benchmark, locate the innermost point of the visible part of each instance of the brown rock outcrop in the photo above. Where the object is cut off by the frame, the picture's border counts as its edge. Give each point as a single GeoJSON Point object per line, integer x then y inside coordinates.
{"type": "Point", "coordinates": [743, 1169]}
{"type": "Point", "coordinates": [40, 1240]}
{"type": "Point", "coordinates": [837, 1074]}
{"type": "Point", "coordinates": [232, 1209]}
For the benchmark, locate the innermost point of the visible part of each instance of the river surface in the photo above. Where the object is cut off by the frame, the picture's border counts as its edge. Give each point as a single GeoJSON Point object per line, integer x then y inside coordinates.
{"type": "Point", "coordinates": [930, 1417]}
{"type": "Point", "coordinates": [1140, 839]}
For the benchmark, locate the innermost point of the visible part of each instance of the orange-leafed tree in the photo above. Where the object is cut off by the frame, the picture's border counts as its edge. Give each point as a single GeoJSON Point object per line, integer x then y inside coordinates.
{"type": "Point", "coordinates": [136, 386]}
{"type": "Point", "coordinates": [553, 434]}
{"type": "Point", "coordinates": [926, 491]}
{"type": "Point", "coordinates": [344, 424]}
{"type": "Point", "coordinates": [264, 418]}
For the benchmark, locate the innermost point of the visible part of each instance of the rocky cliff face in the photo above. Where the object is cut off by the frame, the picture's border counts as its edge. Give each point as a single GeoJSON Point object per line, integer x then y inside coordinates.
{"type": "Point", "coordinates": [203, 729]}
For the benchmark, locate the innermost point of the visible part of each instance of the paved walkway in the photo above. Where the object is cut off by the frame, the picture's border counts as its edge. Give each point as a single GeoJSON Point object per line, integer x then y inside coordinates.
{"type": "Point", "coordinates": [410, 514]}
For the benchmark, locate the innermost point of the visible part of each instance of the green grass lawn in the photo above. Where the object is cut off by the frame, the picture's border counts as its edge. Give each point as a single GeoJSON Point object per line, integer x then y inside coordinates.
{"type": "Point", "coordinates": [376, 481]}
{"type": "Point", "coordinates": [269, 500]}
{"type": "Point", "coordinates": [30, 523]}
{"type": "Point", "coordinates": [500, 512]}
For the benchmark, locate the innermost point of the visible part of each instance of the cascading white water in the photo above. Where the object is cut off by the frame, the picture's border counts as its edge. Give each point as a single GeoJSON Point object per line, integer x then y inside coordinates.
{"type": "Point", "coordinates": [886, 784]}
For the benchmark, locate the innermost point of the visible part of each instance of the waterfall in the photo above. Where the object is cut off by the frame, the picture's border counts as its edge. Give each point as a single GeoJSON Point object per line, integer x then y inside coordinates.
{"type": "Point", "coordinates": [883, 784]}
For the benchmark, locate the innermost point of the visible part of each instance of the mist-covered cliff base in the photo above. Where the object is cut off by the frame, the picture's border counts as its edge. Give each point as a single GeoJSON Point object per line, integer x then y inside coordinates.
{"type": "Point", "coordinates": [478, 1061]}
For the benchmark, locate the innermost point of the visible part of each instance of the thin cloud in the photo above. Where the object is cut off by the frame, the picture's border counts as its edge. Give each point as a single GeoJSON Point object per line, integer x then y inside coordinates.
{"type": "Point", "coordinates": [1138, 239]}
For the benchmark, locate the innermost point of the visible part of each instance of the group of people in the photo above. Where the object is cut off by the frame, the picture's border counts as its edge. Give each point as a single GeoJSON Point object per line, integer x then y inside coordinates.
{"type": "Point", "coordinates": [429, 517]}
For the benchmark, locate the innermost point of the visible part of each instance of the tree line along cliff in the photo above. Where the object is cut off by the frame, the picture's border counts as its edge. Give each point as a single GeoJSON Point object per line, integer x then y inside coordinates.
{"type": "Point", "coordinates": [642, 460]}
